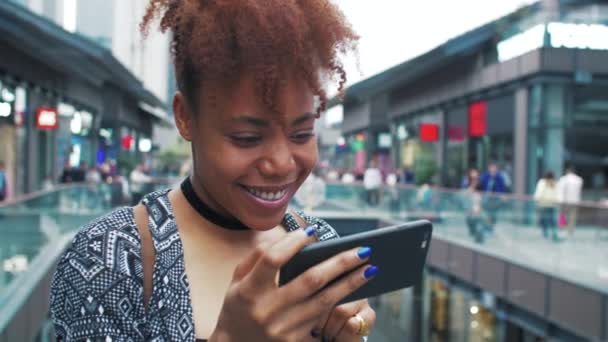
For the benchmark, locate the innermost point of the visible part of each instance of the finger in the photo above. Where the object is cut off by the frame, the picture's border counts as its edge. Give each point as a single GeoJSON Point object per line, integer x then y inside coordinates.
{"type": "Point", "coordinates": [245, 266]}
{"type": "Point", "coordinates": [350, 331]}
{"type": "Point", "coordinates": [272, 258]}
{"type": "Point", "coordinates": [340, 316]}
{"type": "Point", "coordinates": [317, 331]}
{"type": "Point", "coordinates": [330, 296]}
{"type": "Point", "coordinates": [317, 277]}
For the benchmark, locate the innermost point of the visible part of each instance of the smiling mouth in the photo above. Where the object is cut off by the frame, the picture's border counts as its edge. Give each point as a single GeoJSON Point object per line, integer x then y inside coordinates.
{"type": "Point", "coordinates": [266, 194]}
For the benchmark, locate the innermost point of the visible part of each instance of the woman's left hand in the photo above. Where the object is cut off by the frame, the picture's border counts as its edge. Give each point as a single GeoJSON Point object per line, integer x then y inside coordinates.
{"type": "Point", "coordinates": [341, 325]}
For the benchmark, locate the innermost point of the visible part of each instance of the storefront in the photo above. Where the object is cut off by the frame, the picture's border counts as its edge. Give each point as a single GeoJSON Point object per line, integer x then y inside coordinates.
{"type": "Point", "coordinates": [12, 135]}
{"type": "Point", "coordinates": [417, 149]}
{"type": "Point", "coordinates": [528, 94]}
{"type": "Point", "coordinates": [77, 136]}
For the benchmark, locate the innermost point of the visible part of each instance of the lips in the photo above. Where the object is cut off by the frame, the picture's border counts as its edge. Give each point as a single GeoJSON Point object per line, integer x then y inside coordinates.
{"type": "Point", "coordinates": [267, 195]}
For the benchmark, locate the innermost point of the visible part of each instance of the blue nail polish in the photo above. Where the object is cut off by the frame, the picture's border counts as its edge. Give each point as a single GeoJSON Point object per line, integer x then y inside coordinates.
{"type": "Point", "coordinates": [370, 272]}
{"type": "Point", "coordinates": [364, 252]}
{"type": "Point", "coordinates": [310, 231]}
{"type": "Point", "coordinates": [314, 333]}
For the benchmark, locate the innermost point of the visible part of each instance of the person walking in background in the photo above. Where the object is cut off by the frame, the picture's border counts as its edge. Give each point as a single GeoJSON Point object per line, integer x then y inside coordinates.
{"type": "Point", "coordinates": [546, 199]}
{"type": "Point", "coordinates": [477, 221]}
{"type": "Point", "coordinates": [408, 176]}
{"type": "Point", "coordinates": [67, 174]}
{"type": "Point", "coordinates": [138, 180]}
{"type": "Point", "coordinates": [569, 189]}
{"type": "Point", "coordinates": [3, 182]}
{"type": "Point", "coordinates": [492, 184]}
{"type": "Point", "coordinates": [79, 175]}
{"type": "Point", "coordinates": [372, 181]}
{"type": "Point", "coordinates": [93, 179]}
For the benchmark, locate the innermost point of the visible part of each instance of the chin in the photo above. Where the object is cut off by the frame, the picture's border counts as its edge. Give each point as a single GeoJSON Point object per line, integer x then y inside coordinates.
{"type": "Point", "coordinates": [265, 223]}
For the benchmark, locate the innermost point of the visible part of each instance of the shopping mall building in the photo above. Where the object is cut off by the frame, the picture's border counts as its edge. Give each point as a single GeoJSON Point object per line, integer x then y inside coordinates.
{"type": "Point", "coordinates": [65, 99]}
{"type": "Point", "coordinates": [528, 91]}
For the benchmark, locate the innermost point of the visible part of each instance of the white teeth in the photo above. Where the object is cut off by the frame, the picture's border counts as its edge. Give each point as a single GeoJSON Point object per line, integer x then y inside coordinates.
{"type": "Point", "coordinates": [267, 196]}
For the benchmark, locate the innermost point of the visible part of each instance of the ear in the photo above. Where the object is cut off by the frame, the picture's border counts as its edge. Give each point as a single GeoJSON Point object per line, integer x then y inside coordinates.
{"type": "Point", "coordinates": [183, 116]}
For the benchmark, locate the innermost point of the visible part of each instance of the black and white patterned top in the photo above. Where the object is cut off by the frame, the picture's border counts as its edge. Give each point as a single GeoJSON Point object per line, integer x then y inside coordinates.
{"type": "Point", "coordinates": [97, 290]}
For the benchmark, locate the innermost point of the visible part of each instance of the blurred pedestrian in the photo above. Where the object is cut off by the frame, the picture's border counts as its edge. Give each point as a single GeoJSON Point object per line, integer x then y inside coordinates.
{"type": "Point", "coordinates": [3, 182]}
{"type": "Point", "coordinates": [476, 219]}
{"type": "Point", "coordinates": [93, 179]}
{"type": "Point", "coordinates": [47, 183]}
{"type": "Point", "coordinates": [79, 175]}
{"type": "Point", "coordinates": [407, 176]}
{"type": "Point", "coordinates": [372, 181]}
{"type": "Point", "coordinates": [493, 185]}
{"type": "Point", "coordinates": [138, 180]}
{"type": "Point", "coordinates": [67, 174]}
{"type": "Point", "coordinates": [569, 189]}
{"type": "Point", "coordinates": [347, 177]}
{"type": "Point", "coordinates": [546, 199]}
{"type": "Point", "coordinates": [393, 192]}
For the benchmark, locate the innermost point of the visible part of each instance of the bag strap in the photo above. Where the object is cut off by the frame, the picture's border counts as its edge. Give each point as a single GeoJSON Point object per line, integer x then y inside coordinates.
{"type": "Point", "coordinates": [299, 219]}
{"type": "Point", "coordinates": [148, 254]}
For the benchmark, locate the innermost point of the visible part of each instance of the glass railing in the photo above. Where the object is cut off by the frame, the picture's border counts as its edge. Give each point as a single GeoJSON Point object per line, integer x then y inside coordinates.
{"type": "Point", "coordinates": [569, 241]}
{"type": "Point", "coordinates": [37, 227]}
{"type": "Point", "coordinates": [573, 245]}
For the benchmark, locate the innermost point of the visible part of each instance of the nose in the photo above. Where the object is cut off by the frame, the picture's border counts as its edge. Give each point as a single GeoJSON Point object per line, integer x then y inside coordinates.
{"type": "Point", "coordinates": [278, 161]}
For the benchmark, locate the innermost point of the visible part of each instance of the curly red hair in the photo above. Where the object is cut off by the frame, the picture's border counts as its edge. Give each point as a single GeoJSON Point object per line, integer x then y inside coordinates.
{"type": "Point", "coordinates": [215, 40]}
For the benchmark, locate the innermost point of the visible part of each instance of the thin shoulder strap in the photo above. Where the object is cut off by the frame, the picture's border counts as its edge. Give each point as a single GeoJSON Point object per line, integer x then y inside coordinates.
{"type": "Point", "coordinates": [148, 254]}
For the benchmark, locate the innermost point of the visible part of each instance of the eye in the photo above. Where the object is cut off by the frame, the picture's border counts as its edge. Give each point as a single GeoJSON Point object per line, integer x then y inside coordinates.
{"type": "Point", "coordinates": [303, 136]}
{"type": "Point", "coordinates": [245, 140]}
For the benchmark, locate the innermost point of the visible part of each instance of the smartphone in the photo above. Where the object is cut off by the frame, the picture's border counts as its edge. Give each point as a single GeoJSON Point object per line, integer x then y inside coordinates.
{"type": "Point", "coordinates": [399, 251]}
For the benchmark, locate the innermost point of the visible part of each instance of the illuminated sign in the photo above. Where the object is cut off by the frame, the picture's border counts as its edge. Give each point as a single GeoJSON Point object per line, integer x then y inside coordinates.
{"type": "Point", "coordinates": [5, 110]}
{"type": "Point", "coordinates": [477, 119]}
{"type": "Point", "coordinates": [521, 43]}
{"type": "Point", "coordinates": [429, 132]}
{"type": "Point", "coordinates": [402, 132]}
{"type": "Point", "coordinates": [76, 123]}
{"type": "Point", "coordinates": [65, 109]}
{"type": "Point", "coordinates": [385, 140]}
{"type": "Point", "coordinates": [566, 35]}
{"type": "Point", "coordinates": [46, 118]}
{"type": "Point", "coordinates": [127, 142]}
{"type": "Point", "coordinates": [145, 145]}
{"type": "Point", "coordinates": [578, 36]}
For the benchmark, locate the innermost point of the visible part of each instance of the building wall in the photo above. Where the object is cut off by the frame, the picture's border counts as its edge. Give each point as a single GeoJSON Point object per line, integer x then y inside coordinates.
{"type": "Point", "coordinates": [148, 59]}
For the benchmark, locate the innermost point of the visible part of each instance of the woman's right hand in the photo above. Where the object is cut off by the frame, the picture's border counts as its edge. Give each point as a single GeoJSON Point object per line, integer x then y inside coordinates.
{"type": "Point", "coordinates": [257, 309]}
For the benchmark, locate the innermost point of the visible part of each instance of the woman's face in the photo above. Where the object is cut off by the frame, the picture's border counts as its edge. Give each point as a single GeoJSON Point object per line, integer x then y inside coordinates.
{"type": "Point", "coordinates": [249, 161]}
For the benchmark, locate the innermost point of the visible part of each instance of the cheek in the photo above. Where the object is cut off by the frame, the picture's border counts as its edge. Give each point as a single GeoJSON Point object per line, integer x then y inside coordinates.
{"type": "Point", "coordinates": [307, 157]}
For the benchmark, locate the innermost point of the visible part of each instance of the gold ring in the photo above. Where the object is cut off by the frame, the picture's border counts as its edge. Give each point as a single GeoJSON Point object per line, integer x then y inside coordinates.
{"type": "Point", "coordinates": [363, 328]}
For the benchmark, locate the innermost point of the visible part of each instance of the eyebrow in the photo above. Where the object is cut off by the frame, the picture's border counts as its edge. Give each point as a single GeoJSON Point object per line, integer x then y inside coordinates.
{"type": "Point", "coordinates": [303, 118]}
{"type": "Point", "coordinates": [255, 121]}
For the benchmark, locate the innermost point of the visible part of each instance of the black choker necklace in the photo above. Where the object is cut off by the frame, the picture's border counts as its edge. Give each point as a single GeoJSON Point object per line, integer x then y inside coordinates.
{"type": "Point", "coordinates": [205, 211]}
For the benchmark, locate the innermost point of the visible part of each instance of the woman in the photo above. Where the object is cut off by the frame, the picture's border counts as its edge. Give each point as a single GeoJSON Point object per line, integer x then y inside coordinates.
{"type": "Point", "coordinates": [476, 221]}
{"type": "Point", "coordinates": [546, 197]}
{"type": "Point", "coordinates": [201, 261]}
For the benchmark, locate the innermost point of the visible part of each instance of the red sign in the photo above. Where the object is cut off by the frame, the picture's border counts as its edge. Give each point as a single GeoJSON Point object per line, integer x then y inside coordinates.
{"type": "Point", "coordinates": [477, 119]}
{"type": "Point", "coordinates": [128, 142]}
{"type": "Point", "coordinates": [46, 118]}
{"type": "Point", "coordinates": [456, 133]}
{"type": "Point", "coordinates": [429, 132]}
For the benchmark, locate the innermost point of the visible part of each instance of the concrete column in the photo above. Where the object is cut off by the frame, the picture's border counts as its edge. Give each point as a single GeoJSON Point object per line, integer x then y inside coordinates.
{"type": "Point", "coordinates": [440, 152]}
{"type": "Point", "coordinates": [553, 148]}
{"type": "Point", "coordinates": [35, 97]}
{"type": "Point", "coordinates": [521, 141]}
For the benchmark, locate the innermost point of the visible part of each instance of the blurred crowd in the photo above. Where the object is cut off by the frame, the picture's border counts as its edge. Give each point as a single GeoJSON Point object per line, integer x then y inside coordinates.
{"type": "Point", "coordinates": [482, 197]}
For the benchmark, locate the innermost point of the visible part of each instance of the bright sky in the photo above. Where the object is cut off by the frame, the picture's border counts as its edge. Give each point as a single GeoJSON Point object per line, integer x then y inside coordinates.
{"type": "Point", "coordinates": [393, 31]}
